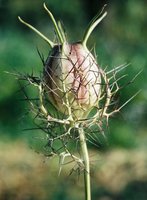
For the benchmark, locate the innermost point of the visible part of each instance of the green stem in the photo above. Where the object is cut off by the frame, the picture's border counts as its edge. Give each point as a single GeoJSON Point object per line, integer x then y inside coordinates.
{"type": "Point", "coordinates": [55, 24]}
{"type": "Point", "coordinates": [38, 32]}
{"type": "Point", "coordinates": [91, 27]}
{"type": "Point", "coordinates": [85, 158]}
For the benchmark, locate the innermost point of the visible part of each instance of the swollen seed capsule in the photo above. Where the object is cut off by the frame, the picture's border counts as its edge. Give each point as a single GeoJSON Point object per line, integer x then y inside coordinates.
{"type": "Point", "coordinates": [72, 79]}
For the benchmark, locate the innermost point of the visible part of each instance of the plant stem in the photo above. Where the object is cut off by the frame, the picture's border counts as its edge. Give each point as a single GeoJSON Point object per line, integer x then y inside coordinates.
{"type": "Point", "coordinates": [91, 27]}
{"type": "Point", "coordinates": [55, 24]}
{"type": "Point", "coordinates": [85, 158]}
{"type": "Point", "coordinates": [38, 32]}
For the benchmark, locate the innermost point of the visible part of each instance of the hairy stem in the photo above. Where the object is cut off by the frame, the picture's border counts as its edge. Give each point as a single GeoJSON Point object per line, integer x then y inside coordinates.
{"type": "Point", "coordinates": [85, 158]}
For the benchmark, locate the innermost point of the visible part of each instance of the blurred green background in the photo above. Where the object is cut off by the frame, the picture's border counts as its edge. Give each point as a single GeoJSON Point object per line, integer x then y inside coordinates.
{"type": "Point", "coordinates": [121, 170]}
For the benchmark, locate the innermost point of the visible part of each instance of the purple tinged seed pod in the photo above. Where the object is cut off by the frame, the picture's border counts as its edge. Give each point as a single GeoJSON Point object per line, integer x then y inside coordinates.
{"type": "Point", "coordinates": [71, 75]}
{"type": "Point", "coordinates": [73, 80]}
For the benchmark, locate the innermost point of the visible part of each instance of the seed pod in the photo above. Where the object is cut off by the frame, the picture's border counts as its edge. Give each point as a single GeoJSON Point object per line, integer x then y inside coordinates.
{"type": "Point", "coordinates": [72, 78]}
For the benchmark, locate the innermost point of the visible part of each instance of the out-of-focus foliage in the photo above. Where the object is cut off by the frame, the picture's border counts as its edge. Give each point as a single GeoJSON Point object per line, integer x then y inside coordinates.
{"type": "Point", "coordinates": [120, 38]}
{"type": "Point", "coordinates": [117, 175]}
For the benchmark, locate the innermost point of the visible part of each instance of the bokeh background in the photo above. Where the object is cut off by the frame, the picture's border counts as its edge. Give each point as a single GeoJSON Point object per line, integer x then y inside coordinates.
{"type": "Point", "coordinates": [119, 165]}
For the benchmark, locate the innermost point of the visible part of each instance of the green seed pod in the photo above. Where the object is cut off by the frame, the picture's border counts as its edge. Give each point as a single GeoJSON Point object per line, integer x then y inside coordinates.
{"type": "Point", "coordinates": [71, 77]}
{"type": "Point", "coordinates": [73, 80]}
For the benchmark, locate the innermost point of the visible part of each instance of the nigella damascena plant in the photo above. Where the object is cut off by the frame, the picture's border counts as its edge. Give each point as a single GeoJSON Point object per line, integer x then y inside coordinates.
{"type": "Point", "coordinates": [71, 74]}
{"type": "Point", "coordinates": [75, 96]}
